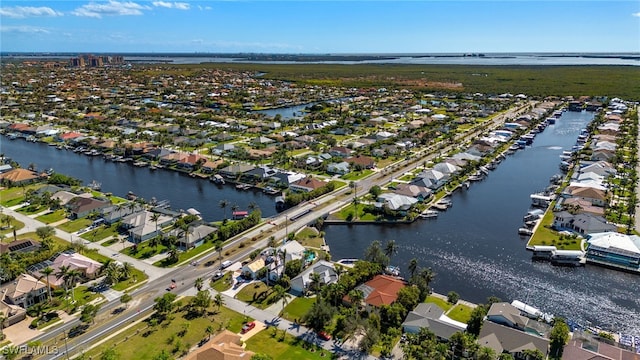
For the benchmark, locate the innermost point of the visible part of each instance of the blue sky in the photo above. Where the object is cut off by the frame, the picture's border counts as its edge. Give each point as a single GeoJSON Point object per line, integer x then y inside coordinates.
{"type": "Point", "coordinates": [320, 26]}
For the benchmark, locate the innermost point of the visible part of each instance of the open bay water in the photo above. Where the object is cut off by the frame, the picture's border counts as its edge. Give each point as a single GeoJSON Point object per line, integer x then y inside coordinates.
{"type": "Point", "coordinates": [474, 247]}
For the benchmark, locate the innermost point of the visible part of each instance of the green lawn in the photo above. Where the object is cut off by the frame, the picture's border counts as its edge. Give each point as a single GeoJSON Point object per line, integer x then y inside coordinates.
{"type": "Point", "coordinates": [143, 250]}
{"type": "Point", "coordinates": [15, 195]}
{"type": "Point", "coordinates": [298, 308]}
{"type": "Point", "coordinates": [285, 347]}
{"type": "Point", "coordinates": [443, 304]}
{"type": "Point", "coordinates": [224, 283]}
{"type": "Point", "coordinates": [545, 236]}
{"type": "Point", "coordinates": [357, 175]}
{"type": "Point", "coordinates": [137, 276]}
{"type": "Point", "coordinates": [343, 214]}
{"type": "Point", "coordinates": [53, 216]}
{"type": "Point", "coordinates": [101, 233]}
{"type": "Point", "coordinates": [15, 224]}
{"type": "Point", "coordinates": [75, 225]}
{"type": "Point", "coordinates": [143, 342]}
{"type": "Point", "coordinates": [32, 209]}
{"type": "Point", "coordinates": [460, 313]}
{"type": "Point", "coordinates": [186, 255]}
{"type": "Point", "coordinates": [309, 236]}
{"type": "Point", "coordinates": [407, 177]}
{"type": "Point", "coordinates": [257, 294]}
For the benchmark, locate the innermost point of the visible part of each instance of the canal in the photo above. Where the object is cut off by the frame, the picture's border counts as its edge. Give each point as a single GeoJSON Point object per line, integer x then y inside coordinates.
{"type": "Point", "coordinates": [474, 247]}
{"type": "Point", "coordinates": [182, 191]}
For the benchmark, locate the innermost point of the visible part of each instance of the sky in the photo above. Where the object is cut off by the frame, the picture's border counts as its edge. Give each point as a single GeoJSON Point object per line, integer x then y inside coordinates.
{"type": "Point", "coordinates": [320, 27]}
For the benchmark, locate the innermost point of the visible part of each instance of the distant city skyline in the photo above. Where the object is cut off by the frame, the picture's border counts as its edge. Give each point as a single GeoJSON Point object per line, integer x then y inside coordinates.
{"type": "Point", "coordinates": [314, 27]}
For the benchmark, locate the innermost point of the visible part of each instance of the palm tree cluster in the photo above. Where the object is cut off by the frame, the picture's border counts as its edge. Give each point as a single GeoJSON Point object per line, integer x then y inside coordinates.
{"type": "Point", "coordinates": [115, 272]}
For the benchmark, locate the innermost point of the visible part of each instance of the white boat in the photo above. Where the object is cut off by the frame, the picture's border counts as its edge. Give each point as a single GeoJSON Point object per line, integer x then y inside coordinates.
{"type": "Point", "coordinates": [429, 214]}
{"type": "Point", "coordinates": [525, 231]}
{"type": "Point", "coordinates": [94, 185]}
{"type": "Point", "coordinates": [392, 270]}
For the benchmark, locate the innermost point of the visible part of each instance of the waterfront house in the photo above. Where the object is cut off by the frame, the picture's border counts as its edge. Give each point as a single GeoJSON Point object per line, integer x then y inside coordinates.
{"type": "Point", "coordinates": [24, 291]}
{"type": "Point", "coordinates": [381, 290]}
{"type": "Point", "coordinates": [250, 270]}
{"type": "Point", "coordinates": [80, 207]}
{"type": "Point", "coordinates": [190, 161]}
{"type": "Point", "coordinates": [596, 197]}
{"type": "Point", "coordinates": [226, 345]}
{"type": "Point", "coordinates": [5, 167]}
{"type": "Point", "coordinates": [307, 184]}
{"type": "Point", "coordinates": [588, 223]}
{"type": "Point", "coordinates": [261, 173]}
{"type": "Point", "coordinates": [66, 196]}
{"type": "Point", "coordinates": [141, 227]}
{"type": "Point", "coordinates": [293, 250]}
{"type": "Point", "coordinates": [286, 178]}
{"type": "Point", "coordinates": [446, 168]}
{"type": "Point", "coordinates": [325, 270]}
{"type": "Point", "coordinates": [236, 170]}
{"type": "Point", "coordinates": [172, 158]}
{"type": "Point", "coordinates": [114, 213]}
{"type": "Point", "coordinates": [436, 178]}
{"type": "Point", "coordinates": [615, 250]}
{"type": "Point", "coordinates": [601, 168]}
{"type": "Point", "coordinates": [508, 315]}
{"type": "Point", "coordinates": [340, 168]}
{"type": "Point", "coordinates": [431, 316]}
{"type": "Point", "coordinates": [156, 153]}
{"type": "Point", "coordinates": [580, 206]}
{"type": "Point", "coordinates": [395, 202]}
{"type": "Point", "coordinates": [17, 177]}
{"type": "Point", "coordinates": [419, 192]}
{"type": "Point", "coordinates": [603, 155]}
{"type": "Point", "coordinates": [504, 339]}
{"type": "Point", "coordinates": [68, 136]}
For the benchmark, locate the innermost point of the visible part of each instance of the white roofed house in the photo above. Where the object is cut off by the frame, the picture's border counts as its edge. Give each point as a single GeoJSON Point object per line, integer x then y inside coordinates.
{"type": "Point", "coordinates": [436, 177]}
{"type": "Point", "coordinates": [615, 250]}
{"type": "Point", "coordinates": [446, 168]}
{"type": "Point", "coordinates": [194, 236]}
{"type": "Point", "coordinates": [325, 270]}
{"type": "Point", "coordinates": [340, 168]}
{"type": "Point", "coordinates": [396, 202]}
{"type": "Point", "coordinates": [141, 225]}
{"type": "Point", "coordinates": [292, 249]}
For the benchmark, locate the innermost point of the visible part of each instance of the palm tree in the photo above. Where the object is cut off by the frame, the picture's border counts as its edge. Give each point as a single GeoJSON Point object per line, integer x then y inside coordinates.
{"type": "Point", "coordinates": [314, 285]}
{"type": "Point", "coordinates": [72, 277]}
{"type": "Point", "coordinates": [234, 208]}
{"type": "Point", "coordinates": [209, 330]}
{"type": "Point", "coordinates": [281, 295]}
{"type": "Point", "coordinates": [339, 271]}
{"type": "Point", "coordinates": [391, 248]}
{"type": "Point", "coordinates": [218, 300]}
{"type": "Point", "coordinates": [252, 206]}
{"type": "Point", "coordinates": [2, 319]}
{"type": "Point", "coordinates": [155, 217]}
{"type": "Point", "coordinates": [199, 283]}
{"type": "Point", "coordinates": [413, 267]}
{"type": "Point", "coordinates": [126, 270]}
{"type": "Point", "coordinates": [154, 242]}
{"type": "Point", "coordinates": [62, 274]}
{"type": "Point", "coordinates": [45, 273]}
{"type": "Point", "coordinates": [218, 248]}
{"type": "Point", "coordinates": [223, 205]}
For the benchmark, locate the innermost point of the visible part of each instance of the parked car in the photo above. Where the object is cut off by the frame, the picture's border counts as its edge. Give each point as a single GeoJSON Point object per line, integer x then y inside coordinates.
{"type": "Point", "coordinates": [248, 327]}
{"type": "Point", "coordinates": [324, 335]}
{"type": "Point", "coordinates": [217, 275]}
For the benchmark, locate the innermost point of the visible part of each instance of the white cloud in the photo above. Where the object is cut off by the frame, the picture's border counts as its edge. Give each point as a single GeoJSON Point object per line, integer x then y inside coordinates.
{"type": "Point", "coordinates": [24, 30]}
{"type": "Point", "coordinates": [636, 14]}
{"type": "Point", "coordinates": [204, 7]}
{"type": "Point", "coordinates": [97, 10]}
{"type": "Point", "coordinates": [20, 12]}
{"type": "Point", "coordinates": [172, 5]}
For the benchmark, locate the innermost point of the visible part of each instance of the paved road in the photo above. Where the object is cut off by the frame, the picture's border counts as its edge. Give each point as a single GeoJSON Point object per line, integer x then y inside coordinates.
{"type": "Point", "coordinates": [159, 278]}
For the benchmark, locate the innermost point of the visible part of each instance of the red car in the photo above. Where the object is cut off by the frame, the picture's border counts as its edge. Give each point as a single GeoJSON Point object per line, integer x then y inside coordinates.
{"type": "Point", "coordinates": [323, 335]}
{"type": "Point", "coordinates": [247, 327]}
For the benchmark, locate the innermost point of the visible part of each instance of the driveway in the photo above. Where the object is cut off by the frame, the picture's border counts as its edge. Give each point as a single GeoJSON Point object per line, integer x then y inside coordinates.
{"type": "Point", "coordinates": [20, 333]}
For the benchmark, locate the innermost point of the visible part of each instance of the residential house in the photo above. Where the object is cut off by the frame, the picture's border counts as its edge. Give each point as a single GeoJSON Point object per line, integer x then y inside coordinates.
{"type": "Point", "coordinates": [190, 161]}
{"type": "Point", "coordinates": [19, 176]}
{"type": "Point", "coordinates": [293, 250]}
{"type": "Point", "coordinates": [80, 207]}
{"type": "Point", "coordinates": [430, 316]}
{"type": "Point", "coordinates": [307, 184]}
{"type": "Point", "coordinates": [325, 270]}
{"type": "Point", "coordinates": [446, 168]}
{"type": "Point", "coordinates": [223, 149]}
{"type": "Point", "coordinates": [88, 268]}
{"type": "Point", "coordinates": [24, 291]}
{"type": "Point", "coordinates": [508, 315]}
{"type": "Point", "coordinates": [340, 168]}
{"type": "Point", "coordinates": [233, 171]}
{"type": "Point", "coordinates": [601, 168]}
{"type": "Point", "coordinates": [5, 167]}
{"type": "Point", "coordinates": [588, 224]}
{"type": "Point", "coordinates": [395, 202]}
{"type": "Point", "coordinates": [603, 155]}
{"type": "Point", "coordinates": [195, 236]}
{"type": "Point", "coordinates": [340, 151]}
{"type": "Point", "coordinates": [261, 173]}
{"type": "Point", "coordinates": [361, 161]}
{"type": "Point", "coordinates": [172, 158]}
{"type": "Point", "coordinates": [596, 197]}
{"type": "Point", "coordinates": [226, 345]}
{"type": "Point", "coordinates": [141, 227]}
{"type": "Point", "coordinates": [504, 339]}
{"type": "Point", "coordinates": [381, 290]}
{"type": "Point", "coordinates": [156, 153]}
{"type": "Point", "coordinates": [580, 206]}
{"type": "Point", "coordinates": [419, 192]}
{"type": "Point", "coordinates": [12, 314]}
{"type": "Point", "coordinates": [114, 213]}
{"type": "Point", "coordinates": [250, 270]}
{"type": "Point", "coordinates": [19, 246]}
{"type": "Point", "coordinates": [436, 177]}
{"type": "Point", "coordinates": [66, 196]}
{"type": "Point", "coordinates": [68, 136]}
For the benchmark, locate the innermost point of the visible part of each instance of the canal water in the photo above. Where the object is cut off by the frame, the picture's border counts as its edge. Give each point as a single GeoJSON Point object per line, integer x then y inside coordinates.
{"type": "Point", "coordinates": [182, 191]}
{"type": "Point", "coordinates": [474, 247]}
